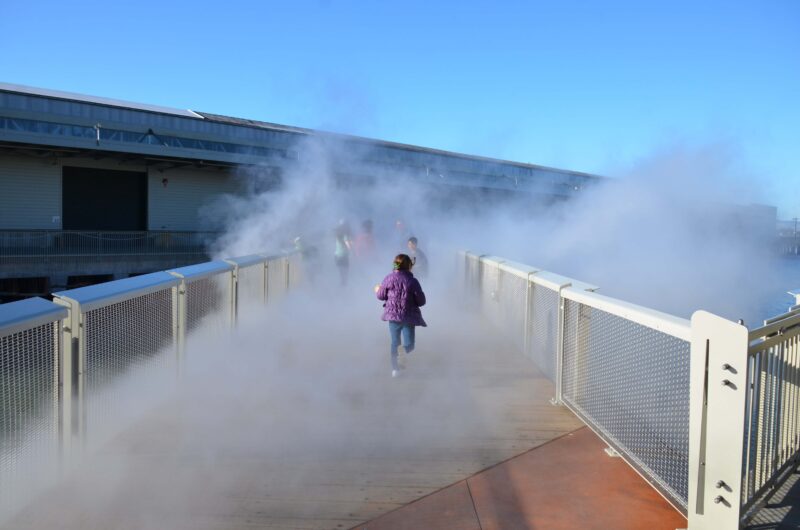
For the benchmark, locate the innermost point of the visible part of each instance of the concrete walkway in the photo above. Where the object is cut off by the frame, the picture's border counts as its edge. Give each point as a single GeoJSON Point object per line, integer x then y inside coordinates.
{"type": "Point", "coordinates": [300, 427]}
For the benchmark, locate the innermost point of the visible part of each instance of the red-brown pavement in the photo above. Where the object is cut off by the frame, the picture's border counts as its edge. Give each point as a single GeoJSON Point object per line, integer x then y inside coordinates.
{"type": "Point", "coordinates": [569, 483]}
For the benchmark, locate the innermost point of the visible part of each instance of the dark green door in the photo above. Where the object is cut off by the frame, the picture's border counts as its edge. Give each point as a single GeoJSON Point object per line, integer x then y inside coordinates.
{"type": "Point", "coordinates": [104, 199]}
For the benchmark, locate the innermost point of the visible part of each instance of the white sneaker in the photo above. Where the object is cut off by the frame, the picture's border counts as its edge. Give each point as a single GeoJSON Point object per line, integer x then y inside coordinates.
{"type": "Point", "coordinates": [395, 373]}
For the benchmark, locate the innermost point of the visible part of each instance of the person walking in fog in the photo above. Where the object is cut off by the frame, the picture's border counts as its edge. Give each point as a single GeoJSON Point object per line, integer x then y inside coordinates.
{"type": "Point", "coordinates": [403, 296]}
{"type": "Point", "coordinates": [401, 233]}
{"type": "Point", "coordinates": [418, 258]}
{"type": "Point", "coordinates": [364, 246]}
{"type": "Point", "coordinates": [341, 253]}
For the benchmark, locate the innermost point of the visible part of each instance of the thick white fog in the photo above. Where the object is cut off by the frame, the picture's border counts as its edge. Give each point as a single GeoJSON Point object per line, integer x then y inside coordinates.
{"type": "Point", "coordinates": [675, 232]}
{"type": "Point", "coordinates": [300, 396]}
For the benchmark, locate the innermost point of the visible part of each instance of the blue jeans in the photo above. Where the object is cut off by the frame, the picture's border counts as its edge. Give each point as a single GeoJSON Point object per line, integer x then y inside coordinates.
{"type": "Point", "coordinates": [396, 329]}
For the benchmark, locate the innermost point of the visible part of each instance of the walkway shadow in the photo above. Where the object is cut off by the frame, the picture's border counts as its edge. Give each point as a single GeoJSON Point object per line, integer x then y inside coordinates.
{"type": "Point", "coordinates": [782, 509]}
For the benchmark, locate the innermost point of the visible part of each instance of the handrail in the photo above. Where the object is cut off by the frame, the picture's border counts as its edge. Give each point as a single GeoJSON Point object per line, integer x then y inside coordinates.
{"type": "Point", "coordinates": [518, 269]}
{"type": "Point", "coordinates": [103, 294]}
{"type": "Point", "coordinates": [663, 322]}
{"type": "Point", "coordinates": [246, 261]}
{"type": "Point", "coordinates": [93, 347]}
{"type": "Point", "coordinates": [551, 280]}
{"type": "Point", "coordinates": [494, 260]}
{"type": "Point", "coordinates": [569, 342]}
{"type": "Point", "coordinates": [773, 340]}
{"type": "Point", "coordinates": [192, 273]}
{"type": "Point", "coordinates": [776, 325]}
{"type": "Point", "coordinates": [794, 310]}
{"type": "Point", "coordinates": [27, 314]}
{"type": "Point", "coordinates": [21, 244]}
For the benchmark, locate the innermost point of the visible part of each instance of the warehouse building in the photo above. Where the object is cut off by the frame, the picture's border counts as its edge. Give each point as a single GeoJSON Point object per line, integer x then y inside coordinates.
{"type": "Point", "coordinates": [94, 188]}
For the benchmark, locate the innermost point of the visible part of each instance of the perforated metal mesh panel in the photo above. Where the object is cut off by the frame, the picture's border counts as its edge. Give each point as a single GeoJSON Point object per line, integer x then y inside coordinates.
{"type": "Point", "coordinates": [208, 302]}
{"type": "Point", "coordinates": [251, 285]}
{"type": "Point", "coordinates": [473, 275]}
{"type": "Point", "coordinates": [295, 264]}
{"type": "Point", "coordinates": [543, 329]}
{"type": "Point", "coordinates": [28, 408]}
{"type": "Point", "coordinates": [631, 384]}
{"type": "Point", "coordinates": [276, 279]}
{"type": "Point", "coordinates": [489, 291]}
{"type": "Point", "coordinates": [121, 337]}
{"type": "Point", "coordinates": [772, 416]}
{"type": "Point", "coordinates": [512, 298]}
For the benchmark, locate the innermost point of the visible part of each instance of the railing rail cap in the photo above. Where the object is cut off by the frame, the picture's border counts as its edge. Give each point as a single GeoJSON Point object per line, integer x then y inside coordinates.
{"type": "Point", "coordinates": [270, 257]}
{"type": "Point", "coordinates": [281, 255]}
{"type": "Point", "coordinates": [27, 314]}
{"type": "Point", "coordinates": [192, 273]}
{"type": "Point", "coordinates": [495, 260]}
{"type": "Point", "coordinates": [107, 293]}
{"type": "Point", "coordinates": [551, 280]}
{"type": "Point", "coordinates": [794, 310]}
{"type": "Point", "coordinates": [583, 286]}
{"type": "Point", "coordinates": [246, 261]}
{"type": "Point", "coordinates": [518, 269]}
{"type": "Point", "coordinates": [776, 324]}
{"type": "Point", "coordinates": [664, 322]}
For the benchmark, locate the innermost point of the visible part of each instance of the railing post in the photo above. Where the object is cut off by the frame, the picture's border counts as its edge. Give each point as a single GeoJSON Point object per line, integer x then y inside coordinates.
{"type": "Point", "coordinates": [717, 396]}
{"type": "Point", "coordinates": [71, 378]}
{"type": "Point", "coordinates": [466, 284]}
{"type": "Point", "coordinates": [470, 286]}
{"type": "Point", "coordinates": [178, 301]}
{"type": "Point", "coordinates": [286, 269]}
{"type": "Point", "coordinates": [234, 294]}
{"type": "Point", "coordinates": [266, 281]}
{"type": "Point", "coordinates": [559, 375]}
{"type": "Point", "coordinates": [179, 320]}
{"type": "Point", "coordinates": [526, 339]}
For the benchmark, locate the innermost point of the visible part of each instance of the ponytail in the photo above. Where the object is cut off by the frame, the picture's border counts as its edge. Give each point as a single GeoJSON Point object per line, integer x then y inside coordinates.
{"type": "Point", "coordinates": [402, 262]}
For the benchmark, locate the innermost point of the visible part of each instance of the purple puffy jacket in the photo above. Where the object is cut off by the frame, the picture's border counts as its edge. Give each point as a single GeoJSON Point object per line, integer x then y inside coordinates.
{"type": "Point", "coordinates": [403, 296]}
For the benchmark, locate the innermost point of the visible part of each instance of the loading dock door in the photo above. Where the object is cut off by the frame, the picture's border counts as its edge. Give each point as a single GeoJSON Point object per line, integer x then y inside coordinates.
{"type": "Point", "coordinates": [104, 199]}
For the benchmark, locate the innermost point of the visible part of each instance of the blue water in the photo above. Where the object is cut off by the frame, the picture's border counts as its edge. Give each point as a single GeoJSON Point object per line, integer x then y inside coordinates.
{"type": "Point", "coordinates": [777, 301]}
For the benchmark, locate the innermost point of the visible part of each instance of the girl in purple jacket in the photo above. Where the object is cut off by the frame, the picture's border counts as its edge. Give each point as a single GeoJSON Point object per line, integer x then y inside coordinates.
{"type": "Point", "coordinates": [403, 297]}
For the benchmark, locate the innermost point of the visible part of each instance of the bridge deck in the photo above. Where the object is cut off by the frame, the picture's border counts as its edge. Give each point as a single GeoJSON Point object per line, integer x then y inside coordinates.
{"type": "Point", "coordinates": [301, 428]}
{"type": "Point", "coordinates": [583, 489]}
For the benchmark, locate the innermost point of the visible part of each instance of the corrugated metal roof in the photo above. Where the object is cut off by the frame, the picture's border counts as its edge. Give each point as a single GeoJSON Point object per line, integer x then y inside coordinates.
{"type": "Point", "coordinates": [58, 94]}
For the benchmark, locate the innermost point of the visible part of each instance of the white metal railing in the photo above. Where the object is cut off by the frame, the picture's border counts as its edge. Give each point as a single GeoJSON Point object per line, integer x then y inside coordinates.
{"type": "Point", "coordinates": [706, 411]}
{"type": "Point", "coordinates": [110, 328]}
{"type": "Point", "coordinates": [76, 243]}
{"type": "Point", "coordinates": [772, 407]}
{"type": "Point", "coordinates": [60, 361]}
{"type": "Point", "coordinates": [30, 356]}
{"type": "Point", "coordinates": [605, 357]}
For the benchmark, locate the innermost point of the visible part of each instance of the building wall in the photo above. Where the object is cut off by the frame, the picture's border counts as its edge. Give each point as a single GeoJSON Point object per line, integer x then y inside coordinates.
{"type": "Point", "coordinates": [30, 193]}
{"type": "Point", "coordinates": [185, 202]}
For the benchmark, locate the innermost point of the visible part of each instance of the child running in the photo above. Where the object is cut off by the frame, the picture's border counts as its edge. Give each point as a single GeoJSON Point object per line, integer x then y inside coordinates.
{"type": "Point", "coordinates": [403, 297]}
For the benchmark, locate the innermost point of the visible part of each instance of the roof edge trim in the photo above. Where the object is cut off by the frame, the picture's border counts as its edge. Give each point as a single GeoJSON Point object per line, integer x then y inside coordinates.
{"type": "Point", "coordinates": [82, 98]}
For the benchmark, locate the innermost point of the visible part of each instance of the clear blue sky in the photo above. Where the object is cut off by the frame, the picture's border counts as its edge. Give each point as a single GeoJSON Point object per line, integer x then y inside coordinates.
{"type": "Point", "coordinates": [578, 84]}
